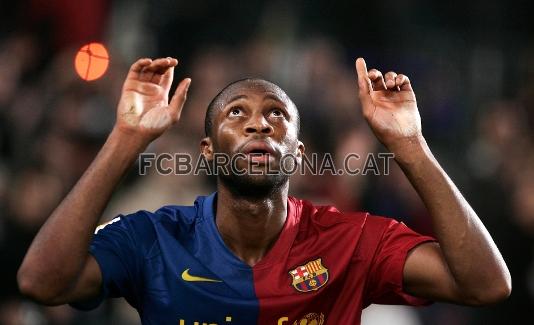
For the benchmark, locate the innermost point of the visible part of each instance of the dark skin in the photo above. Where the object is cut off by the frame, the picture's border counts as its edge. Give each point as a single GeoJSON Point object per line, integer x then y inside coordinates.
{"type": "Point", "coordinates": [465, 267]}
{"type": "Point", "coordinates": [253, 112]}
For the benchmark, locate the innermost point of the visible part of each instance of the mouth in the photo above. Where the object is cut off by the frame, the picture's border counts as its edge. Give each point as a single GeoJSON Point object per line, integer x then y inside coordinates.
{"type": "Point", "coordinates": [259, 151]}
{"type": "Point", "coordinates": [258, 148]}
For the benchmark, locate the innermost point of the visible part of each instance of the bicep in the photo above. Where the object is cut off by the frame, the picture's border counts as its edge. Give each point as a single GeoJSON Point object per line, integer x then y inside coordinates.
{"type": "Point", "coordinates": [87, 287]}
{"type": "Point", "coordinates": [427, 275]}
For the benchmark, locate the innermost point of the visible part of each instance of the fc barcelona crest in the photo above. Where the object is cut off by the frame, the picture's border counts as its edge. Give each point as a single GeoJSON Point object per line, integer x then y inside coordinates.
{"type": "Point", "coordinates": [310, 276]}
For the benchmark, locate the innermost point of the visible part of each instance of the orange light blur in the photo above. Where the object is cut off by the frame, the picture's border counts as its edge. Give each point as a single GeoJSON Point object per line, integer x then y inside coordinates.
{"type": "Point", "coordinates": [91, 61]}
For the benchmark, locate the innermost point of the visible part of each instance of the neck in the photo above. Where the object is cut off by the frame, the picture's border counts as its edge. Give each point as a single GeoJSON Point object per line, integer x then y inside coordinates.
{"type": "Point", "coordinates": [250, 226]}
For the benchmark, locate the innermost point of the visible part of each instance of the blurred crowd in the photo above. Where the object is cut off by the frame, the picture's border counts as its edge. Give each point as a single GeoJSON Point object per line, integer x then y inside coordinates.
{"type": "Point", "coordinates": [477, 116]}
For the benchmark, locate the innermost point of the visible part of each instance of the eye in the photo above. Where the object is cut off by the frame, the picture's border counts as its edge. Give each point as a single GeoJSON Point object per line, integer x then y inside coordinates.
{"type": "Point", "coordinates": [236, 111]}
{"type": "Point", "coordinates": [276, 112]}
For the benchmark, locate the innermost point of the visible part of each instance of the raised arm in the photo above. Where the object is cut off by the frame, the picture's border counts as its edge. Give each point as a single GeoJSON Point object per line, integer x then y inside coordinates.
{"type": "Point", "coordinates": [465, 267]}
{"type": "Point", "coordinates": [57, 267]}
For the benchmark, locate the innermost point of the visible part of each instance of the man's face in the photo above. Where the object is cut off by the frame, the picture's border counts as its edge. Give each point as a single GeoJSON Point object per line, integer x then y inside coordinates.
{"type": "Point", "coordinates": [257, 121]}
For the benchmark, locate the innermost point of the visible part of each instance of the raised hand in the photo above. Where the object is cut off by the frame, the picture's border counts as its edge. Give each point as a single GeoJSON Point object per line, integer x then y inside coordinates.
{"type": "Point", "coordinates": [144, 107]}
{"type": "Point", "coordinates": [388, 105]}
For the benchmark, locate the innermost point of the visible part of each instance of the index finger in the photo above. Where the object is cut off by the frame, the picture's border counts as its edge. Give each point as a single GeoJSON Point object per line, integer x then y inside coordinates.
{"type": "Point", "coordinates": [364, 82]}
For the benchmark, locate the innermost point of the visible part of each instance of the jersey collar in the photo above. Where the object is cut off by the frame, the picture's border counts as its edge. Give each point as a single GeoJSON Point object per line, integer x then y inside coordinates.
{"type": "Point", "coordinates": [280, 249]}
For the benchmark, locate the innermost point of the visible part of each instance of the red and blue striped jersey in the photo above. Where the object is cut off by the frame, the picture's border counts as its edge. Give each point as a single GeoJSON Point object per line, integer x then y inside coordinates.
{"type": "Point", "coordinates": [326, 266]}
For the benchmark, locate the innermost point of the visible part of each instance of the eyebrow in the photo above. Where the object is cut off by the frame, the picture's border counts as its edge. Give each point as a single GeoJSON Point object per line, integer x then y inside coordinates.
{"type": "Point", "coordinates": [274, 97]}
{"type": "Point", "coordinates": [238, 97]}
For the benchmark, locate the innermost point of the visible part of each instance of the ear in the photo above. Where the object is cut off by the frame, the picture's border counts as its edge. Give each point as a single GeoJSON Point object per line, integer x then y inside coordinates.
{"type": "Point", "coordinates": [206, 148]}
{"type": "Point", "coordinates": [300, 152]}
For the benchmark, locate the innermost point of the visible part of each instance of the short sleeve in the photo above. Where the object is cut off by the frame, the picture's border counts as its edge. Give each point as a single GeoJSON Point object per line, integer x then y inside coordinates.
{"type": "Point", "coordinates": [385, 284]}
{"type": "Point", "coordinates": [115, 246]}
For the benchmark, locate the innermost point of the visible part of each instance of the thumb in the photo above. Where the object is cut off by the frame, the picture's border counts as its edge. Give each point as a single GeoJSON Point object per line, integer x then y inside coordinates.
{"type": "Point", "coordinates": [178, 99]}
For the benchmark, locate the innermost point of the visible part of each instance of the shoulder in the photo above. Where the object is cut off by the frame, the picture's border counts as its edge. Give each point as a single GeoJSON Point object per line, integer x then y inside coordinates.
{"type": "Point", "coordinates": [142, 220]}
{"type": "Point", "coordinates": [143, 226]}
{"type": "Point", "coordinates": [327, 217]}
{"type": "Point", "coordinates": [326, 221]}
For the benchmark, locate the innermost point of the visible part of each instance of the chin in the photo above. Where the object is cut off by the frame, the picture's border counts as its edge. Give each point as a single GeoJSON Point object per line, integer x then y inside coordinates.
{"type": "Point", "coordinates": [254, 185]}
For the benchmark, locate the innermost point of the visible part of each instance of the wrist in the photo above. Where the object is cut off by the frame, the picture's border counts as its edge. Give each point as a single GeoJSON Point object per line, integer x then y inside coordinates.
{"type": "Point", "coordinates": [410, 150]}
{"type": "Point", "coordinates": [127, 140]}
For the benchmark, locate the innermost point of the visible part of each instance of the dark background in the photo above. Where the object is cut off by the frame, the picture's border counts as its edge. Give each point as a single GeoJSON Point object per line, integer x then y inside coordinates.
{"type": "Point", "coordinates": [471, 64]}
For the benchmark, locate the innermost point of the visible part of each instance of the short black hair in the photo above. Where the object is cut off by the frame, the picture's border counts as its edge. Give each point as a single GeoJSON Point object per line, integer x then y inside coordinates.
{"type": "Point", "coordinates": [210, 111]}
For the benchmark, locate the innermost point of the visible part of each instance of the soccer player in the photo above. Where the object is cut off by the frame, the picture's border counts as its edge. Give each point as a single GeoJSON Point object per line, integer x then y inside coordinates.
{"type": "Point", "coordinates": [249, 253]}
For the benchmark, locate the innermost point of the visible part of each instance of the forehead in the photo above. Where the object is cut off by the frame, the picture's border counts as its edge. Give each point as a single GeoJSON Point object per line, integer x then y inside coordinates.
{"type": "Point", "coordinates": [252, 88]}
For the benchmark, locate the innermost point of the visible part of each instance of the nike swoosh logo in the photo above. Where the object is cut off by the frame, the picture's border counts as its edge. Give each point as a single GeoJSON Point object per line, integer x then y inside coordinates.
{"type": "Point", "coordinates": [192, 278]}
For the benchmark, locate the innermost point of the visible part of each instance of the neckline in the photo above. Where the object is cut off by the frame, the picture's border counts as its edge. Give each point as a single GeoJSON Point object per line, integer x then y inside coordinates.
{"type": "Point", "coordinates": [280, 247]}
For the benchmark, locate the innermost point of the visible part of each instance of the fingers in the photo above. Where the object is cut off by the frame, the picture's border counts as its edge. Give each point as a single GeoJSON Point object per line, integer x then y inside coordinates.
{"type": "Point", "coordinates": [178, 100]}
{"type": "Point", "coordinates": [156, 69]}
{"type": "Point", "coordinates": [136, 68]}
{"type": "Point", "coordinates": [390, 80]}
{"type": "Point", "coordinates": [156, 72]}
{"type": "Point", "coordinates": [381, 82]}
{"type": "Point", "coordinates": [377, 79]}
{"type": "Point", "coordinates": [167, 77]}
{"type": "Point", "coordinates": [403, 82]}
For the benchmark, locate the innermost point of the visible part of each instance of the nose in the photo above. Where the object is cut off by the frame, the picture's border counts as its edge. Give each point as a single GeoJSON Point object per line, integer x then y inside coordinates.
{"type": "Point", "coordinates": [259, 125]}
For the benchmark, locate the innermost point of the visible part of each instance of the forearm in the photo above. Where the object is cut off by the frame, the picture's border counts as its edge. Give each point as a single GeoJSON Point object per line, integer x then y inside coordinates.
{"type": "Point", "coordinates": [60, 249]}
{"type": "Point", "coordinates": [471, 255]}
